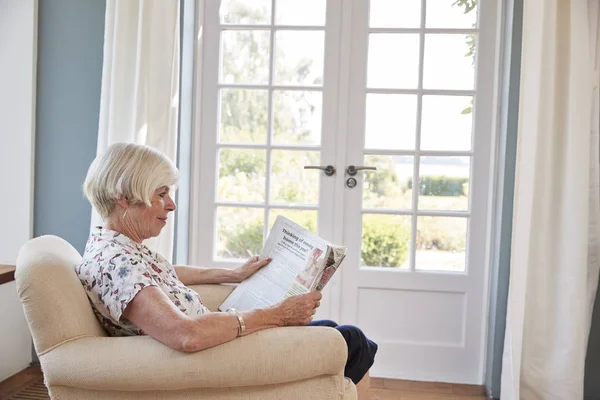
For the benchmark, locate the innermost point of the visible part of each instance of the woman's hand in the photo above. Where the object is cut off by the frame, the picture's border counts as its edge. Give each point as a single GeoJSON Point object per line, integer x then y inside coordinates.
{"type": "Point", "coordinates": [298, 310]}
{"type": "Point", "coordinates": [249, 268]}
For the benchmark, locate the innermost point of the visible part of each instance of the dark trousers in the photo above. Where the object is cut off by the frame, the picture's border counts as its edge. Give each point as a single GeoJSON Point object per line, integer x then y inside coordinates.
{"type": "Point", "coordinates": [361, 350]}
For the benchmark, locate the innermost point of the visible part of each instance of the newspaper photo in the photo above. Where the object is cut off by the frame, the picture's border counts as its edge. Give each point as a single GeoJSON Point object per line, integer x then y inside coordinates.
{"type": "Point", "coordinates": [300, 262]}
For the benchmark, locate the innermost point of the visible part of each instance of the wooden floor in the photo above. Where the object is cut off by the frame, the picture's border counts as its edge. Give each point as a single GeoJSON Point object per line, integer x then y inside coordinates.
{"type": "Point", "coordinates": [29, 385]}
{"type": "Point", "coordinates": [26, 385]}
{"type": "Point", "coordinates": [392, 389]}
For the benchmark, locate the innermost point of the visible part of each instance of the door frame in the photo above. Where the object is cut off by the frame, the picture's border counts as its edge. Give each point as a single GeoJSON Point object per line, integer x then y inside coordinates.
{"type": "Point", "coordinates": [493, 12]}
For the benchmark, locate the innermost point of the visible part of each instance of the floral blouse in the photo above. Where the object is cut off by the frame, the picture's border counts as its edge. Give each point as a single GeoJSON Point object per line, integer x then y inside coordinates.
{"type": "Point", "coordinates": [115, 268]}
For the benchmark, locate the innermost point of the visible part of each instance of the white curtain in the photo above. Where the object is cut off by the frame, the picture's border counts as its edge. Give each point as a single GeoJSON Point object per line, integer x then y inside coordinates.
{"type": "Point", "coordinates": [556, 227]}
{"type": "Point", "coordinates": [140, 83]}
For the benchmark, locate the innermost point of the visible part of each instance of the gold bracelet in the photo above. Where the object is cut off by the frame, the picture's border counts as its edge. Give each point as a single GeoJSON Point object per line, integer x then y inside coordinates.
{"type": "Point", "coordinates": [242, 326]}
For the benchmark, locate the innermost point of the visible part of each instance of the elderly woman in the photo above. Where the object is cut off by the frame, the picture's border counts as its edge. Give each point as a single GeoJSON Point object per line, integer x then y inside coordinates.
{"type": "Point", "coordinates": [135, 291]}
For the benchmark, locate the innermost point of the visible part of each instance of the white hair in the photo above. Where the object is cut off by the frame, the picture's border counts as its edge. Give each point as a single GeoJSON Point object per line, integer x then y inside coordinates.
{"type": "Point", "coordinates": [128, 171]}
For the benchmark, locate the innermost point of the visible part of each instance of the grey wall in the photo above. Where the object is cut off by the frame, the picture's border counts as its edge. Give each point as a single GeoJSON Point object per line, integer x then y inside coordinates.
{"type": "Point", "coordinates": [507, 149]}
{"type": "Point", "coordinates": [69, 74]}
{"type": "Point", "coordinates": [592, 364]}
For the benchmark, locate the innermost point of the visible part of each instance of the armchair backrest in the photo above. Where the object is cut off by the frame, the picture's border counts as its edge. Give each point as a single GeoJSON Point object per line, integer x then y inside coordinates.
{"type": "Point", "coordinates": [56, 306]}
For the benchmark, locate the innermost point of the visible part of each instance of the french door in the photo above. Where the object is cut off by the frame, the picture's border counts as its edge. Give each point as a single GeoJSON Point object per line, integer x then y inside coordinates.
{"type": "Point", "coordinates": [370, 123]}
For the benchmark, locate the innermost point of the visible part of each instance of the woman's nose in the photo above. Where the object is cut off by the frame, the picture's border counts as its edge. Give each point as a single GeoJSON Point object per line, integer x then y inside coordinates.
{"type": "Point", "coordinates": [171, 206]}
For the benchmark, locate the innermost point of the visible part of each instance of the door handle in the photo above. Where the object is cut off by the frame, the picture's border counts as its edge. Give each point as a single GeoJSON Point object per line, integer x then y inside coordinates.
{"type": "Point", "coordinates": [329, 169]}
{"type": "Point", "coordinates": [353, 170]}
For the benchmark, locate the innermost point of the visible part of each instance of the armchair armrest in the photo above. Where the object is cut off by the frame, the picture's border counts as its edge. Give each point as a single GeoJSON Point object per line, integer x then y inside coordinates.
{"type": "Point", "coordinates": [271, 356]}
{"type": "Point", "coordinates": [213, 295]}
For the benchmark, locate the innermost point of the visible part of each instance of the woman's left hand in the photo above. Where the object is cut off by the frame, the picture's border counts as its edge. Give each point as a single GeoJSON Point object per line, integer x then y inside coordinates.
{"type": "Point", "coordinates": [250, 267]}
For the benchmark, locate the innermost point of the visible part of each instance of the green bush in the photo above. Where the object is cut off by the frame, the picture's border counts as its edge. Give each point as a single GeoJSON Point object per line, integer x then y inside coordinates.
{"type": "Point", "coordinates": [243, 240]}
{"type": "Point", "coordinates": [385, 238]}
{"type": "Point", "coordinates": [385, 241]}
{"type": "Point", "coordinates": [442, 185]}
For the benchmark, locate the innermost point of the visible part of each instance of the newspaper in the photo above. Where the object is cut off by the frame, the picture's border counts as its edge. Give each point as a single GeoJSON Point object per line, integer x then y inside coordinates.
{"type": "Point", "coordinates": [300, 262]}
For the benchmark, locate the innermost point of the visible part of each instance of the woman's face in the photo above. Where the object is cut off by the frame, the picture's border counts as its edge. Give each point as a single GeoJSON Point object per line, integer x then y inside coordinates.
{"type": "Point", "coordinates": [151, 220]}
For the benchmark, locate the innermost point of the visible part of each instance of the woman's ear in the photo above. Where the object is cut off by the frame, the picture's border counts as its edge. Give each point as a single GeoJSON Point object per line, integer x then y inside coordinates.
{"type": "Point", "coordinates": [123, 203]}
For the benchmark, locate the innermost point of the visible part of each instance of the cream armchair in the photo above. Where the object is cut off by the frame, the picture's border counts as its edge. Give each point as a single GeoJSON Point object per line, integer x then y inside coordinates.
{"type": "Point", "coordinates": [81, 362]}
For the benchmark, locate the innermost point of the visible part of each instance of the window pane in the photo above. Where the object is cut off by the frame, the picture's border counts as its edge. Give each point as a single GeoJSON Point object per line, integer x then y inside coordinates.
{"type": "Point", "coordinates": [444, 183]}
{"type": "Point", "coordinates": [388, 187]}
{"type": "Point", "coordinates": [449, 62]}
{"type": "Point", "coordinates": [385, 241]}
{"type": "Point", "coordinates": [245, 57]}
{"type": "Point", "coordinates": [305, 218]}
{"type": "Point", "coordinates": [245, 12]}
{"type": "Point", "coordinates": [299, 58]}
{"type": "Point", "coordinates": [244, 115]}
{"type": "Point", "coordinates": [239, 232]}
{"type": "Point", "coordinates": [391, 121]}
{"type": "Point", "coordinates": [441, 243]}
{"type": "Point", "coordinates": [305, 12]}
{"type": "Point", "coordinates": [393, 61]}
{"type": "Point", "coordinates": [290, 182]}
{"type": "Point", "coordinates": [395, 14]}
{"type": "Point", "coordinates": [242, 175]}
{"type": "Point", "coordinates": [297, 117]}
{"type": "Point", "coordinates": [447, 123]}
{"type": "Point", "coordinates": [451, 14]}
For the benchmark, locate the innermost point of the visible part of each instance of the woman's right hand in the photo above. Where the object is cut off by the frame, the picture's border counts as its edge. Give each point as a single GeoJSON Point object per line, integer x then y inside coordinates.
{"type": "Point", "coordinates": [299, 309]}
